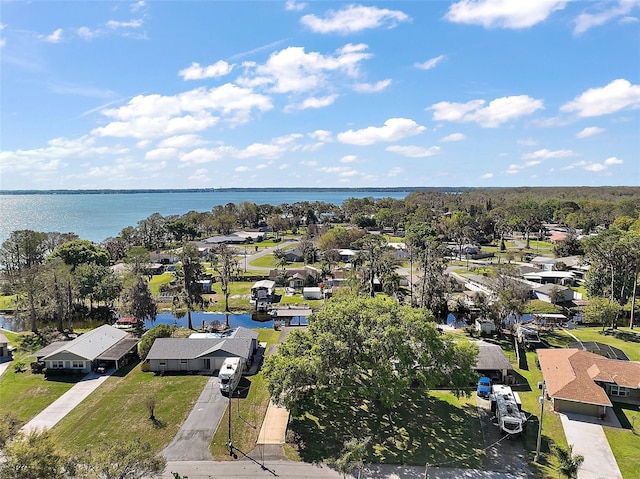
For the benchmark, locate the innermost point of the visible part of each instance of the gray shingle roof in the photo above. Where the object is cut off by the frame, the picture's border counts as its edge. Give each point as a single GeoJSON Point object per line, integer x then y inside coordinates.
{"type": "Point", "coordinates": [191, 348]}
{"type": "Point", "coordinates": [491, 356]}
{"type": "Point", "coordinates": [241, 332]}
{"type": "Point", "coordinates": [90, 345]}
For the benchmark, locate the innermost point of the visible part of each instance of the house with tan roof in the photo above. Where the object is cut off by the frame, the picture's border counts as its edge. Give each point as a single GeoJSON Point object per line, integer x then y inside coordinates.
{"type": "Point", "coordinates": [582, 382]}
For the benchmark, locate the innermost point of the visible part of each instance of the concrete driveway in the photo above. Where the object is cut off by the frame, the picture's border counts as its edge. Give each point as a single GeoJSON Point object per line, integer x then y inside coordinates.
{"type": "Point", "coordinates": [588, 439]}
{"type": "Point", "coordinates": [62, 406]}
{"type": "Point", "coordinates": [192, 441]}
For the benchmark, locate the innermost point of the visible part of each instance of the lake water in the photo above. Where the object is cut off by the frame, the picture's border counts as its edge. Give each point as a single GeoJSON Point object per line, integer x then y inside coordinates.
{"type": "Point", "coordinates": [98, 216]}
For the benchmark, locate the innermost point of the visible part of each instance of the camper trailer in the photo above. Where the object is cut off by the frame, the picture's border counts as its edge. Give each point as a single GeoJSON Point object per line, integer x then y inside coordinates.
{"type": "Point", "coordinates": [507, 407]}
{"type": "Point", "coordinates": [230, 374]}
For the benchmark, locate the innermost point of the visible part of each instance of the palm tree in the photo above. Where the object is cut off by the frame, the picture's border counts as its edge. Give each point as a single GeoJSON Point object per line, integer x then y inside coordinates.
{"type": "Point", "coordinates": [569, 462]}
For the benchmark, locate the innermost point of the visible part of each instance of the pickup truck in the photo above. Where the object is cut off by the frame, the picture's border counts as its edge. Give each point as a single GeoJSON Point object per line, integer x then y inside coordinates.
{"type": "Point", "coordinates": [484, 387]}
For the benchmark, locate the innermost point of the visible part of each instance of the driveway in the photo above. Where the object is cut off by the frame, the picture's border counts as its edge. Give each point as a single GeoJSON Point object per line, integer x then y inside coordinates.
{"type": "Point", "coordinates": [588, 439]}
{"type": "Point", "coordinates": [4, 366]}
{"type": "Point", "coordinates": [62, 406]}
{"type": "Point", "coordinates": [192, 441]}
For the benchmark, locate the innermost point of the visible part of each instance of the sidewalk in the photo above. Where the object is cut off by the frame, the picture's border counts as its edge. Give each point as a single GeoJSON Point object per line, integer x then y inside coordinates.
{"type": "Point", "coordinates": [62, 406]}
{"type": "Point", "coordinates": [274, 426]}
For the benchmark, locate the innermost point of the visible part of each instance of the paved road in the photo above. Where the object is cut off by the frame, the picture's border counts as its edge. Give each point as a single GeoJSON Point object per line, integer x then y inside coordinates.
{"type": "Point", "coordinates": [247, 469]}
{"type": "Point", "coordinates": [250, 257]}
{"type": "Point", "coordinates": [588, 439]}
{"type": "Point", "coordinates": [62, 406]}
{"type": "Point", "coordinates": [192, 441]}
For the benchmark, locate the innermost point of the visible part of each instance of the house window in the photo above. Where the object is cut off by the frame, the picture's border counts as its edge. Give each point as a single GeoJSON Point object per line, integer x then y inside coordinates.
{"type": "Point", "coordinates": [77, 364]}
{"type": "Point", "coordinates": [620, 391]}
{"type": "Point", "coordinates": [162, 363]}
{"type": "Point", "coordinates": [57, 364]}
{"type": "Point", "coordinates": [184, 361]}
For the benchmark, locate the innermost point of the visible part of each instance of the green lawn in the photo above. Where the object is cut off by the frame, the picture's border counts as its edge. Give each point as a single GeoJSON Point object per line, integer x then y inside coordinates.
{"type": "Point", "coordinates": [158, 280]}
{"type": "Point", "coordinates": [117, 409]}
{"type": "Point", "coordinates": [25, 395]}
{"type": "Point", "coordinates": [623, 338]}
{"type": "Point", "coordinates": [435, 428]}
{"type": "Point", "coordinates": [247, 411]}
{"type": "Point", "coordinates": [552, 431]}
{"type": "Point", "coordinates": [625, 443]}
{"type": "Point", "coordinates": [8, 302]}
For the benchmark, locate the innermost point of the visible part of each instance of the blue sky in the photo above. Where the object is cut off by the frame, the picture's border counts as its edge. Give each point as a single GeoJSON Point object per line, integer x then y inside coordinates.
{"type": "Point", "coordinates": [146, 94]}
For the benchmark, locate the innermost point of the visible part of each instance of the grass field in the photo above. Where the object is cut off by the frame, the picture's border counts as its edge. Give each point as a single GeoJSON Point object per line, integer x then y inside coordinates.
{"type": "Point", "coordinates": [158, 280]}
{"type": "Point", "coordinates": [625, 443]}
{"type": "Point", "coordinates": [118, 409]}
{"type": "Point", "coordinates": [8, 302]}
{"type": "Point", "coordinates": [247, 413]}
{"type": "Point", "coordinates": [435, 428]}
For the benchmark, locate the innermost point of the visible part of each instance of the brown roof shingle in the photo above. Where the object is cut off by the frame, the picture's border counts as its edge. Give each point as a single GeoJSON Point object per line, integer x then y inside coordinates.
{"type": "Point", "coordinates": [571, 374]}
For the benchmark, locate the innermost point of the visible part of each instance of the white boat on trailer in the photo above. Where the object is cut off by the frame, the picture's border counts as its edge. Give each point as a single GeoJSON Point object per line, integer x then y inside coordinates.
{"type": "Point", "coordinates": [508, 409]}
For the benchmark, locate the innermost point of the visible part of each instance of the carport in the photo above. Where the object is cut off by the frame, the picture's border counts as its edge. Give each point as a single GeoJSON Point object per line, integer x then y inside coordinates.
{"type": "Point", "coordinates": [120, 353]}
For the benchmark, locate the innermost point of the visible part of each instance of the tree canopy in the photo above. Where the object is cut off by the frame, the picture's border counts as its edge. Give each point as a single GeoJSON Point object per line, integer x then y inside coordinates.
{"type": "Point", "coordinates": [367, 349]}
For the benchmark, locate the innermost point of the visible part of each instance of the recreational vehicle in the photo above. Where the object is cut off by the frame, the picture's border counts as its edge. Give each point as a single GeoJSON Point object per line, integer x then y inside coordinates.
{"type": "Point", "coordinates": [507, 407]}
{"type": "Point", "coordinates": [230, 374]}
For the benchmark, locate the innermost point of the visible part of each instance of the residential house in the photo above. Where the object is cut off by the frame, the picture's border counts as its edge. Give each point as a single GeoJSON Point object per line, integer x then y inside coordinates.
{"type": "Point", "coordinates": [263, 290]}
{"type": "Point", "coordinates": [83, 354]}
{"type": "Point", "coordinates": [553, 293]}
{"type": "Point", "coordinates": [492, 362]}
{"type": "Point", "coordinates": [312, 293]}
{"type": "Point", "coordinates": [204, 355]}
{"type": "Point", "coordinates": [586, 383]}
{"type": "Point", "coordinates": [5, 352]}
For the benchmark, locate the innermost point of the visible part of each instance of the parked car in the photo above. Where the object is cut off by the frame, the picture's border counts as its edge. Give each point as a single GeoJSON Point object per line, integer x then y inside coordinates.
{"type": "Point", "coordinates": [484, 387]}
{"type": "Point", "coordinates": [102, 367]}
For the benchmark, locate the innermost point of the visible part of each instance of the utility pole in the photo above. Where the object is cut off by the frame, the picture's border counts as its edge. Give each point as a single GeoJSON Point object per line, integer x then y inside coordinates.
{"type": "Point", "coordinates": [541, 400]}
{"type": "Point", "coordinates": [229, 443]}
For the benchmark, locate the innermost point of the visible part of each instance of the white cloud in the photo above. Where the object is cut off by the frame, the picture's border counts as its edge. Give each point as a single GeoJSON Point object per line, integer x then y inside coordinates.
{"type": "Point", "coordinates": [394, 129]}
{"type": "Point", "coordinates": [503, 13]}
{"type": "Point", "coordinates": [595, 167]}
{"type": "Point", "coordinates": [55, 37]}
{"type": "Point", "coordinates": [181, 141]}
{"type": "Point", "coordinates": [292, 70]}
{"type": "Point", "coordinates": [348, 159]}
{"type": "Point", "coordinates": [487, 176]}
{"type": "Point", "coordinates": [321, 135]}
{"type": "Point", "coordinates": [201, 155]}
{"type": "Point", "coordinates": [453, 137]}
{"type": "Point", "coordinates": [547, 154]}
{"type": "Point", "coordinates": [283, 166]}
{"type": "Point", "coordinates": [395, 171]}
{"type": "Point", "coordinates": [293, 6]}
{"type": "Point", "coordinates": [429, 64]}
{"type": "Point", "coordinates": [135, 23]}
{"type": "Point", "coordinates": [613, 161]}
{"type": "Point", "coordinates": [589, 131]}
{"type": "Point", "coordinates": [413, 151]}
{"type": "Point", "coordinates": [3, 42]}
{"type": "Point", "coordinates": [515, 168]}
{"type": "Point", "coordinates": [585, 21]}
{"type": "Point", "coordinates": [527, 142]}
{"type": "Point", "coordinates": [161, 154]}
{"type": "Point", "coordinates": [618, 95]}
{"type": "Point", "coordinates": [354, 18]}
{"type": "Point", "coordinates": [372, 87]}
{"type": "Point", "coordinates": [197, 72]}
{"type": "Point", "coordinates": [152, 116]}
{"type": "Point", "coordinates": [498, 111]}
{"type": "Point", "coordinates": [242, 169]}
{"type": "Point", "coordinates": [86, 33]}
{"type": "Point", "coordinates": [313, 102]}
{"type": "Point", "coordinates": [261, 150]}
{"type": "Point", "coordinates": [341, 171]}
{"type": "Point", "coordinates": [134, 7]}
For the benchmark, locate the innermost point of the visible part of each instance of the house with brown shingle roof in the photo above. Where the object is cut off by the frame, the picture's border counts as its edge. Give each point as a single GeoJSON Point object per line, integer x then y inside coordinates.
{"type": "Point", "coordinates": [582, 382]}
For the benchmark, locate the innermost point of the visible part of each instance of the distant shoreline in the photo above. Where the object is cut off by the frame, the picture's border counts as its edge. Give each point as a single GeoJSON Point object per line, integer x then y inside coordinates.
{"type": "Point", "coordinates": [224, 190]}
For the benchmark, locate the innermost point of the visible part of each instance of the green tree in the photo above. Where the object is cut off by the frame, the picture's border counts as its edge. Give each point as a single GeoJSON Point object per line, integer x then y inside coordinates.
{"type": "Point", "coordinates": [128, 458]}
{"type": "Point", "coordinates": [224, 263]}
{"type": "Point", "coordinates": [526, 216]}
{"type": "Point", "coordinates": [32, 456]}
{"type": "Point", "coordinates": [22, 256]}
{"type": "Point", "coordinates": [158, 331]}
{"type": "Point", "coordinates": [353, 455]}
{"type": "Point", "coordinates": [138, 301]}
{"type": "Point", "coordinates": [97, 283]}
{"type": "Point", "coordinates": [152, 231]}
{"type": "Point", "coordinates": [601, 311]}
{"type": "Point", "coordinates": [569, 463]}
{"type": "Point", "coordinates": [78, 252]}
{"type": "Point", "coordinates": [373, 260]}
{"type": "Point", "coordinates": [190, 272]}
{"type": "Point", "coordinates": [367, 350]}
{"type": "Point", "coordinates": [138, 258]}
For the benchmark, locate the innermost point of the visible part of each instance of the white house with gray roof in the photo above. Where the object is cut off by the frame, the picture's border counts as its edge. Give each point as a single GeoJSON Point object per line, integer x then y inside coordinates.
{"type": "Point", "coordinates": [83, 353]}
{"type": "Point", "coordinates": [204, 355]}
